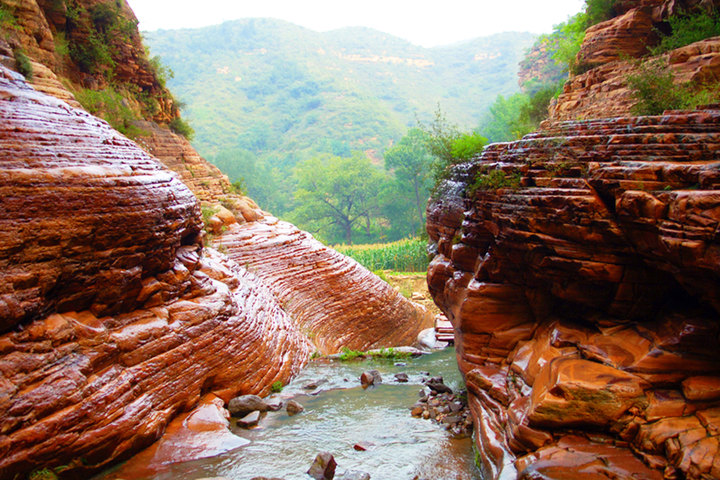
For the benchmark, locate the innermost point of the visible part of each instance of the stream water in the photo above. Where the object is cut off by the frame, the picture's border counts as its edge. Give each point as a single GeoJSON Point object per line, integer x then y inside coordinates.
{"type": "Point", "coordinates": [340, 414]}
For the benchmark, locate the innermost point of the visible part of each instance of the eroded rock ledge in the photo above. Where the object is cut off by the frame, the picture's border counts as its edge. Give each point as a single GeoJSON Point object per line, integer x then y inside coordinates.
{"type": "Point", "coordinates": [585, 301]}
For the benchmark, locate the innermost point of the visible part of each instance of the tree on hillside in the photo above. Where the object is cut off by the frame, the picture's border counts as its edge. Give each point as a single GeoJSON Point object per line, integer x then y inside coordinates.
{"type": "Point", "coordinates": [410, 163]}
{"type": "Point", "coordinates": [337, 193]}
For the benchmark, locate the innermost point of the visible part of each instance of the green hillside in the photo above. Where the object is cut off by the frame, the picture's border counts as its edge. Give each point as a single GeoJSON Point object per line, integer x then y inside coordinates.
{"type": "Point", "coordinates": [264, 94]}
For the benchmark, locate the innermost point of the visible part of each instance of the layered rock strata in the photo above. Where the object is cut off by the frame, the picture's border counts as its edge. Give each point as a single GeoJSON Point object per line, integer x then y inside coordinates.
{"type": "Point", "coordinates": [113, 319]}
{"type": "Point", "coordinates": [613, 50]}
{"type": "Point", "coordinates": [330, 296]}
{"type": "Point", "coordinates": [580, 268]}
{"type": "Point", "coordinates": [603, 91]}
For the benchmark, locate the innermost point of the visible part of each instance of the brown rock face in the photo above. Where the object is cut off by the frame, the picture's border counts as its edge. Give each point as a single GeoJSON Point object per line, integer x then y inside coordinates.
{"type": "Point", "coordinates": [112, 319]}
{"type": "Point", "coordinates": [585, 301]}
{"type": "Point", "coordinates": [603, 91]}
{"type": "Point", "coordinates": [86, 214]}
{"type": "Point", "coordinates": [326, 293]}
{"type": "Point", "coordinates": [206, 181]}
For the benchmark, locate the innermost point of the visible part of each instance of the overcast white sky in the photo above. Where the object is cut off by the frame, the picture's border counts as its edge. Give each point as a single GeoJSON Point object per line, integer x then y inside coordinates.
{"type": "Point", "coordinates": [423, 22]}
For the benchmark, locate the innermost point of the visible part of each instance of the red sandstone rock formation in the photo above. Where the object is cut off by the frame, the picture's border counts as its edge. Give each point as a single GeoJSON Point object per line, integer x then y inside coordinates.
{"type": "Point", "coordinates": [114, 321]}
{"type": "Point", "coordinates": [610, 50]}
{"type": "Point", "coordinates": [326, 293]}
{"type": "Point", "coordinates": [585, 301]}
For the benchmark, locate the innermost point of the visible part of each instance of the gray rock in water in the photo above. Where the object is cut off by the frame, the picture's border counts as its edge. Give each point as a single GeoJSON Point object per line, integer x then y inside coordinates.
{"type": "Point", "coordinates": [250, 420]}
{"type": "Point", "coordinates": [293, 408]}
{"type": "Point", "coordinates": [323, 468]}
{"type": "Point", "coordinates": [242, 405]}
{"type": "Point", "coordinates": [354, 475]}
{"type": "Point", "coordinates": [439, 387]}
{"type": "Point", "coordinates": [372, 377]}
{"type": "Point", "coordinates": [401, 377]}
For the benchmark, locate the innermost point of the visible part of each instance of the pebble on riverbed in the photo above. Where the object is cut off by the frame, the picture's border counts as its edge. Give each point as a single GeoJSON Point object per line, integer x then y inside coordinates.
{"type": "Point", "coordinates": [438, 403]}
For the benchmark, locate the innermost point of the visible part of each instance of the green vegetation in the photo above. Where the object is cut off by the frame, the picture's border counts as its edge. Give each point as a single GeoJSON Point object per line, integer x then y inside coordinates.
{"type": "Point", "coordinates": [654, 88]}
{"type": "Point", "coordinates": [7, 19]}
{"type": "Point", "coordinates": [687, 28]}
{"type": "Point", "coordinates": [408, 255]}
{"type": "Point", "coordinates": [265, 96]}
{"type": "Point", "coordinates": [111, 106]}
{"type": "Point", "coordinates": [389, 354]}
{"type": "Point", "coordinates": [181, 127]}
{"type": "Point", "coordinates": [43, 474]}
{"type": "Point", "coordinates": [23, 63]}
{"type": "Point", "coordinates": [276, 387]}
{"type": "Point", "coordinates": [338, 195]}
{"type": "Point", "coordinates": [495, 179]}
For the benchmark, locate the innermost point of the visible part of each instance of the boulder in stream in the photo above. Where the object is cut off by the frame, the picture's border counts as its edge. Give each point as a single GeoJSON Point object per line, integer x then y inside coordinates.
{"type": "Point", "coordinates": [323, 468]}
{"type": "Point", "coordinates": [250, 420]}
{"type": "Point", "coordinates": [293, 408]}
{"type": "Point", "coordinates": [244, 404]}
{"type": "Point", "coordinates": [372, 377]}
{"type": "Point", "coordinates": [401, 377]}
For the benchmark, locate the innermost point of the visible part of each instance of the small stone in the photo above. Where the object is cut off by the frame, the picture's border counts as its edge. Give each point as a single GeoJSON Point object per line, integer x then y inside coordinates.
{"type": "Point", "coordinates": [416, 411]}
{"type": "Point", "coordinates": [401, 377]}
{"type": "Point", "coordinates": [439, 387]}
{"type": "Point", "coordinates": [249, 420]}
{"type": "Point", "coordinates": [323, 468]}
{"type": "Point", "coordinates": [293, 408]}
{"type": "Point", "coordinates": [426, 414]}
{"type": "Point", "coordinates": [455, 407]}
{"type": "Point", "coordinates": [362, 446]}
{"type": "Point", "coordinates": [450, 419]}
{"type": "Point", "coordinates": [400, 364]}
{"type": "Point", "coordinates": [354, 475]}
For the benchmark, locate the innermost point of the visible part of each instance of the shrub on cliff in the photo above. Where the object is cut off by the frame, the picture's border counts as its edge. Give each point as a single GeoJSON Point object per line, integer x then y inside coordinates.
{"type": "Point", "coordinates": [687, 28]}
{"type": "Point", "coordinates": [23, 63]}
{"type": "Point", "coordinates": [655, 90]}
{"type": "Point", "coordinates": [181, 127]}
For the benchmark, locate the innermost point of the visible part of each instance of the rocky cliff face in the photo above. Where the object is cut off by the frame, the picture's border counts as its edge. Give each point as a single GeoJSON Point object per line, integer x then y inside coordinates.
{"type": "Point", "coordinates": [114, 319]}
{"type": "Point", "coordinates": [612, 50]}
{"type": "Point", "coordinates": [580, 269]}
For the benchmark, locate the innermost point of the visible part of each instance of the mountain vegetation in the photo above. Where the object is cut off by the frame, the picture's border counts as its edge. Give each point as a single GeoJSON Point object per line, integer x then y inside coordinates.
{"type": "Point", "coordinates": [270, 101]}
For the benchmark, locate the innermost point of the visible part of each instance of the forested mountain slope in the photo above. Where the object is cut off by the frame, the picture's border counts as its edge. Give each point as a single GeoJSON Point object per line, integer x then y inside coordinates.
{"type": "Point", "coordinates": [264, 94]}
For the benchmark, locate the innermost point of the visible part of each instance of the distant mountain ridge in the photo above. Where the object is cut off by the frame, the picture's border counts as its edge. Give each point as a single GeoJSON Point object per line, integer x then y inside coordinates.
{"type": "Point", "coordinates": [283, 93]}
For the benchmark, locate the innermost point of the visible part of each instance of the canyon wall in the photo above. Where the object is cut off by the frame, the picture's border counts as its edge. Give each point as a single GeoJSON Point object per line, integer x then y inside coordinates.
{"type": "Point", "coordinates": [580, 267]}
{"type": "Point", "coordinates": [113, 320]}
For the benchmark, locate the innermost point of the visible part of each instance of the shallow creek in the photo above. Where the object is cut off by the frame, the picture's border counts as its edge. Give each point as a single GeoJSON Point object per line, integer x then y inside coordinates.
{"type": "Point", "coordinates": [339, 414]}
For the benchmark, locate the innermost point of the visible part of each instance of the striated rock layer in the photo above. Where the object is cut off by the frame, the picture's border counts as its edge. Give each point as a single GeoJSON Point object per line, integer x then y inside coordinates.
{"type": "Point", "coordinates": [583, 284]}
{"type": "Point", "coordinates": [614, 49]}
{"type": "Point", "coordinates": [112, 319]}
{"type": "Point", "coordinates": [330, 296]}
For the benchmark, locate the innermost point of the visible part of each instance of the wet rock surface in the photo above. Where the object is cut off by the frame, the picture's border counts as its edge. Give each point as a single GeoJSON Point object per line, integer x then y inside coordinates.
{"type": "Point", "coordinates": [323, 468]}
{"type": "Point", "coordinates": [323, 291]}
{"type": "Point", "coordinates": [114, 319]}
{"type": "Point", "coordinates": [584, 301]}
{"type": "Point", "coordinates": [441, 405]}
